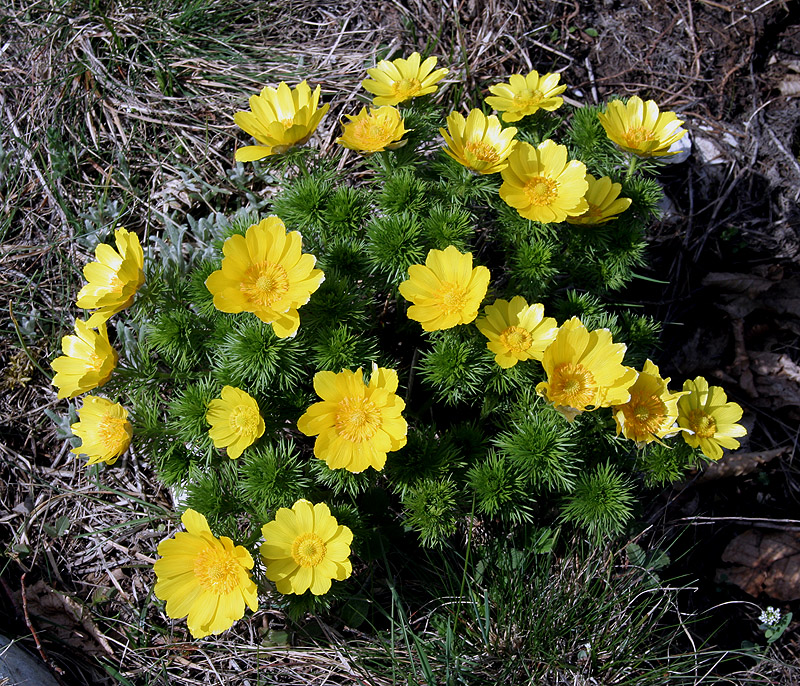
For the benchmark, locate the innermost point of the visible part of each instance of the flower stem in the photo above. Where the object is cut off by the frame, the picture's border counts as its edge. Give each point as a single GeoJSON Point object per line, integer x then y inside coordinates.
{"type": "Point", "coordinates": [634, 160]}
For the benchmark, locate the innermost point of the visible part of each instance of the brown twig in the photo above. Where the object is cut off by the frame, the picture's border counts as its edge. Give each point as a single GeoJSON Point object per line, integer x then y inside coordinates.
{"type": "Point", "coordinates": [29, 624]}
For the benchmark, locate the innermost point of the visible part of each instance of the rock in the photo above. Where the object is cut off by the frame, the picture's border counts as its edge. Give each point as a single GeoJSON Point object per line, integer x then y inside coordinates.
{"type": "Point", "coordinates": [21, 668]}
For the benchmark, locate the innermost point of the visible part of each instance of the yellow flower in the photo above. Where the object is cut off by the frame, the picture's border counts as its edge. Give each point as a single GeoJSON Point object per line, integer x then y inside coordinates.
{"type": "Point", "coordinates": [402, 79]}
{"type": "Point", "coordinates": [446, 290]}
{"type": "Point", "coordinates": [639, 127]}
{"type": "Point", "coordinates": [478, 142]}
{"type": "Point", "coordinates": [306, 548]}
{"type": "Point", "coordinates": [524, 95]}
{"type": "Point", "coordinates": [87, 362]}
{"type": "Point", "coordinates": [516, 331]}
{"type": "Point", "coordinates": [356, 425]}
{"type": "Point", "coordinates": [652, 411]}
{"type": "Point", "coordinates": [380, 129]}
{"type": "Point", "coordinates": [114, 278]}
{"type": "Point", "coordinates": [604, 205]}
{"type": "Point", "coordinates": [204, 577]}
{"type": "Point", "coordinates": [280, 118]}
{"type": "Point", "coordinates": [104, 430]}
{"type": "Point", "coordinates": [584, 370]}
{"type": "Point", "coordinates": [236, 422]}
{"type": "Point", "coordinates": [542, 185]}
{"type": "Point", "coordinates": [709, 419]}
{"type": "Point", "coordinates": [265, 272]}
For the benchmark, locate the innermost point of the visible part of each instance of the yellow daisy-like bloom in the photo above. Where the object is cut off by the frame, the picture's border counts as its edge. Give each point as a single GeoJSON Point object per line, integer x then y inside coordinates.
{"type": "Point", "coordinates": [604, 205]}
{"type": "Point", "coordinates": [709, 419]}
{"type": "Point", "coordinates": [204, 578]}
{"type": "Point", "coordinates": [236, 422]}
{"type": "Point", "coordinates": [478, 142]}
{"type": "Point", "coordinates": [524, 95]}
{"type": "Point", "coordinates": [446, 290]}
{"type": "Point", "coordinates": [639, 127]}
{"type": "Point", "coordinates": [402, 79]}
{"type": "Point", "coordinates": [104, 430]}
{"type": "Point", "coordinates": [542, 185]}
{"type": "Point", "coordinates": [265, 272]}
{"type": "Point", "coordinates": [87, 362]}
{"type": "Point", "coordinates": [516, 331]}
{"type": "Point", "coordinates": [306, 548]}
{"type": "Point", "coordinates": [380, 129]}
{"type": "Point", "coordinates": [584, 370]}
{"type": "Point", "coordinates": [114, 278]}
{"type": "Point", "coordinates": [355, 424]}
{"type": "Point", "coordinates": [652, 411]}
{"type": "Point", "coordinates": [280, 118]}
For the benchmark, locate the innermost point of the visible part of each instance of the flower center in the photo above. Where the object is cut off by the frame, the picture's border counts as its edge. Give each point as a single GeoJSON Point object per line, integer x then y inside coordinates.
{"type": "Point", "coordinates": [527, 98]}
{"type": "Point", "coordinates": [357, 419]}
{"type": "Point", "coordinates": [406, 88]}
{"type": "Point", "coordinates": [645, 414]}
{"type": "Point", "coordinates": [451, 298]}
{"type": "Point", "coordinates": [115, 284]}
{"type": "Point", "coordinates": [480, 151]}
{"type": "Point", "coordinates": [541, 190]}
{"type": "Point", "coordinates": [308, 550]}
{"type": "Point", "coordinates": [572, 385]}
{"type": "Point", "coordinates": [216, 570]}
{"type": "Point", "coordinates": [516, 339]}
{"type": "Point", "coordinates": [264, 283]}
{"type": "Point", "coordinates": [637, 135]}
{"type": "Point", "coordinates": [112, 434]}
{"type": "Point", "coordinates": [244, 419]}
{"type": "Point", "coordinates": [96, 360]}
{"type": "Point", "coordinates": [372, 132]}
{"type": "Point", "coordinates": [288, 122]}
{"type": "Point", "coordinates": [703, 424]}
{"type": "Point", "coordinates": [594, 211]}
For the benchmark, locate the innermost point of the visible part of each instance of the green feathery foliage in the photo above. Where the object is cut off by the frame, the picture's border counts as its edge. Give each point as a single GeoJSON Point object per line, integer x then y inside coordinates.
{"type": "Point", "coordinates": [602, 502]}
{"type": "Point", "coordinates": [532, 268]}
{"type": "Point", "coordinates": [541, 448]}
{"type": "Point", "coordinates": [187, 412]}
{"type": "Point", "coordinates": [456, 366]}
{"type": "Point", "coordinates": [336, 302]}
{"type": "Point", "coordinates": [442, 227]}
{"type": "Point", "coordinates": [252, 356]}
{"type": "Point", "coordinates": [642, 336]}
{"type": "Point", "coordinates": [538, 127]}
{"type": "Point", "coordinates": [303, 207]}
{"type": "Point", "coordinates": [663, 464]}
{"type": "Point", "coordinates": [347, 212]}
{"type": "Point", "coordinates": [345, 258]}
{"type": "Point", "coordinates": [426, 455]}
{"type": "Point", "coordinates": [404, 192]}
{"type": "Point", "coordinates": [587, 140]}
{"type": "Point", "coordinates": [395, 243]}
{"type": "Point", "coordinates": [432, 510]}
{"type": "Point", "coordinates": [499, 490]}
{"type": "Point", "coordinates": [273, 476]}
{"type": "Point", "coordinates": [179, 336]}
{"type": "Point", "coordinates": [341, 347]}
{"type": "Point", "coordinates": [646, 194]}
{"type": "Point", "coordinates": [341, 481]}
{"type": "Point", "coordinates": [198, 294]}
{"type": "Point", "coordinates": [461, 185]}
{"type": "Point", "coordinates": [217, 493]}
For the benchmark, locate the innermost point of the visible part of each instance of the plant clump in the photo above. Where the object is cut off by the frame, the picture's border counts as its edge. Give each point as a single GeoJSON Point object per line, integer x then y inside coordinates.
{"type": "Point", "coordinates": [420, 349]}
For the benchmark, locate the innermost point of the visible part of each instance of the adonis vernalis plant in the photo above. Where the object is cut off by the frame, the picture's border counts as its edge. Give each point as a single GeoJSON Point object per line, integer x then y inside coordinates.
{"type": "Point", "coordinates": [397, 349]}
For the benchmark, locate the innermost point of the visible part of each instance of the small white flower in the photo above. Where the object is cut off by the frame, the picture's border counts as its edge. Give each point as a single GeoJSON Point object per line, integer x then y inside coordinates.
{"type": "Point", "coordinates": [771, 616]}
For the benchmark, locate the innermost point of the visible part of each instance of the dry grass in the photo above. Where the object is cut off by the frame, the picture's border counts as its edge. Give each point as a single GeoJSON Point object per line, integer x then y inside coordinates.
{"type": "Point", "coordinates": [120, 113]}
